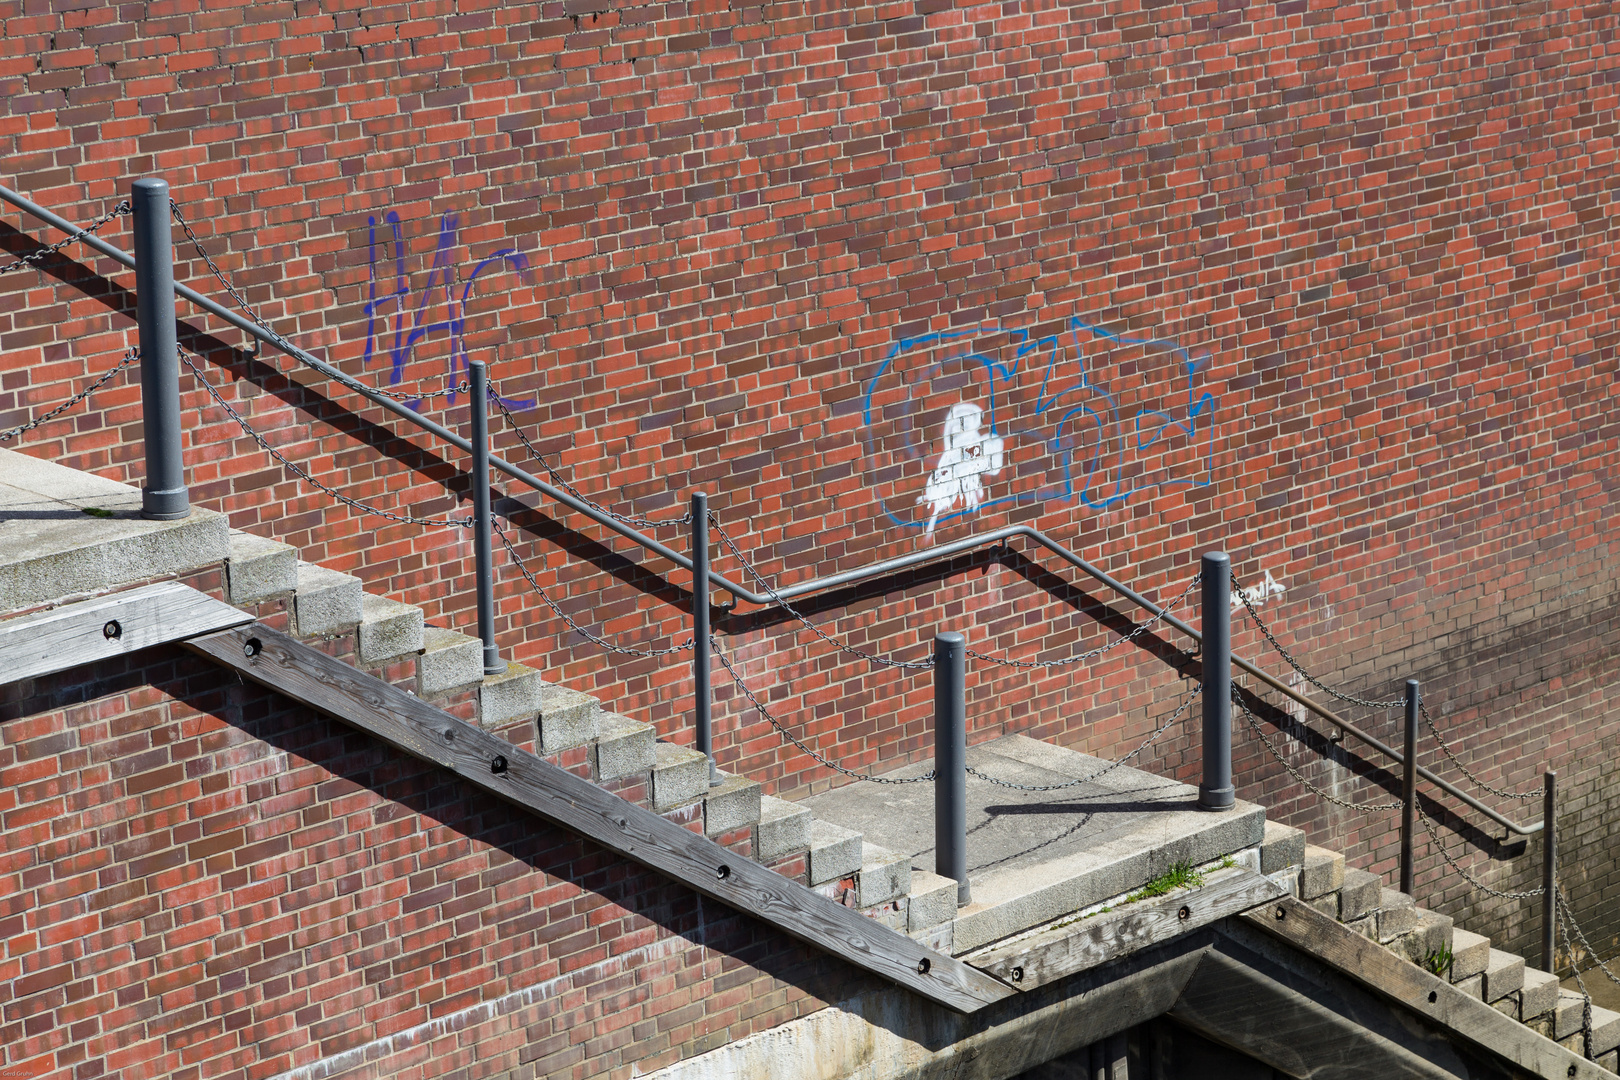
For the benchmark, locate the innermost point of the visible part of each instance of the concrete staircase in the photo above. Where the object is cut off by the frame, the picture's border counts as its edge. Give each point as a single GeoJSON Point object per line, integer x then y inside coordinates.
{"type": "Point", "coordinates": [1359, 900]}
{"type": "Point", "coordinates": [389, 639]}
{"type": "Point", "coordinates": [331, 611]}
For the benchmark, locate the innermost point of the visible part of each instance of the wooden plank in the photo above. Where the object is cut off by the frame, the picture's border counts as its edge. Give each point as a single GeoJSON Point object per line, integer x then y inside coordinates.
{"type": "Point", "coordinates": [1413, 988]}
{"type": "Point", "coordinates": [1048, 955]}
{"type": "Point", "coordinates": [108, 626]}
{"type": "Point", "coordinates": [417, 728]}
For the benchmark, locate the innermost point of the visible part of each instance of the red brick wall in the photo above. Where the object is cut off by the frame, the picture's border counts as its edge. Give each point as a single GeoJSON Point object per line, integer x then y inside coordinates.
{"type": "Point", "coordinates": [1383, 236]}
{"type": "Point", "coordinates": [202, 880]}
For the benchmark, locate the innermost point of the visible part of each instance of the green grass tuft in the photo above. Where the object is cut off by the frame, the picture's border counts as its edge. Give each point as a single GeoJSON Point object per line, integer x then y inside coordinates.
{"type": "Point", "coordinates": [96, 511]}
{"type": "Point", "coordinates": [1438, 961]}
{"type": "Point", "coordinates": [1181, 875]}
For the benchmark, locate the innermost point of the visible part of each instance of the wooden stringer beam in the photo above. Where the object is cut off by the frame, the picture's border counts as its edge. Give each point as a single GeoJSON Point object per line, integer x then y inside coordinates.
{"type": "Point", "coordinates": [409, 724]}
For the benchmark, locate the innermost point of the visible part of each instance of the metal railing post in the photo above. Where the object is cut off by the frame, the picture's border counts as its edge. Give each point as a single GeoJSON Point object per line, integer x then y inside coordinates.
{"type": "Point", "coordinates": [1409, 785]}
{"type": "Point", "coordinates": [1549, 868]}
{"type": "Point", "coordinates": [478, 403]}
{"type": "Point", "coordinates": [702, 703]}
{"type": "Point", "coordinates": [164, 497]}
{"type": "Point", "coordinates": [950, 761]}
{"type": "Point", "coordinates": [1216, 791]}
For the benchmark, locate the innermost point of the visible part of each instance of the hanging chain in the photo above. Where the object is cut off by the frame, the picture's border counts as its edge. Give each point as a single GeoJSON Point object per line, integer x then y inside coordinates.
{"type": "Point", "coordinates": [562, 481]}
{"type": "Point", "coordinates": [1562, 909]}
{"type": "Point", "coordinates": [33, 259]}
{"type": "Point", "coordinates": [1136, 631]}
{"type": "Point", "coordinates": [882, 661]}
{"type": "Point", "coordinates": [304, 474]}
{"type": "Point", "coordinates": [1434, 839]}
{"type": "Point", "coordinates": [1446, 749]}
{"type": "Point", "coordinates": [1099, 774]}
{"type": "Point", "coordinates": [1563, 904]}
{"type": "Point", "coordinates": [800, 743]}
{"type": "Point", "coordinates": [1307, 676]}
{"type": "Point", "coordinates": [1254, 725]}
{"type": "Point", "coordinates": [574, 626]}
{"type": "Point", "coordinates": [130, 357]}
{"type": "Point", "coordinates": [1423, 707]}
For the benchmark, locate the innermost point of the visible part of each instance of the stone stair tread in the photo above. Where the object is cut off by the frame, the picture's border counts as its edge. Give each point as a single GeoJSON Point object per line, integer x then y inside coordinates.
{"type": "Point", "coordinates": [388, 629]}
{"type": "Point", "coordinates": [733, 804]}
{"type": "Point", "coordinates": [448, 660]}
{"type": "Point", "coordinates": [257, 567]}
{"type": "Point", "coordinates": [680, 775]}
{"type": "Point", "coordinates": [508, 696]}
{"type": "Point", "coordinates": [1568, 1013]}
{"type": "Point", "coordinates": [1539, 994]}
{"type": "Point", "coordinates": [783, 828]}
{"type": "Point", "coordinates": [1359, 894]}
{"type": "Point", "coordinates": [933, 901]}
{"type": "Point", "coordinates": [1470, 953]}
{"type": "Point", "coordinates": [1321, 873]}
{"type": "Point", "coordinates": [1281, 848]}
{"type": "Point", "coordinates": [885, 875]}
{"type": "Point", "coordinates": [568, 718]}
{"type": "Point", "coordinates": [835, 851]}
{"type": "Point", "coordinates": [1605, 1030]}
{"type": "Point", "coordinates": [1504, 974]}
{"type": "Point", "coordinates": [623, 748]}
{"type": "Point", "coordinates": [325, 601]}
{"type": "Point", "coordinates": [1398, 914]}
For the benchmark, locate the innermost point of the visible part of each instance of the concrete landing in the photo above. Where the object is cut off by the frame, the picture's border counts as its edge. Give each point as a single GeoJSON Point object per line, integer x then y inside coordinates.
{"type": "Point", "coordinates": [68, 533]}
{"type": "Point", "coordinates": [1038, 856]}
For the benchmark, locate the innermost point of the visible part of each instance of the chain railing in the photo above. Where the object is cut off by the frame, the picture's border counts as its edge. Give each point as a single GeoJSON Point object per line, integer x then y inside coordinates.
{"type": "Point", "coordinates": [255, 325]}
{"type": "Point", "coordinates": [130, 356]}
{"type": "Point", "coordinates": [304, 474]}
{"type": "Point", "coordinates": [34, 260]}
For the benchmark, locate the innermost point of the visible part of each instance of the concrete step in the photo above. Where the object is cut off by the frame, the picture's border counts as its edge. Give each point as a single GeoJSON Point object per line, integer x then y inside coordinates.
{"type": "Point", "coordinates": [1282, 848]}
{"type": "Point", "coordinates": [885, 875]}
{"type": "Point", "coordinates": [734, 805]}
{"type": "Point", "coordinates": [1567, 1014]}
{"type": "Point", "coordinates": [449, 660]}
{"type": "Point", "coordinates": [835, 852]}
{"type": "Point", "coordinates": [783, 829]}
{"type": "Point", "coordinates": [932, 902]}
{"type": "Point", "coordinates": [1538, 995]}
{"type": "Point", "coordinates": [325, 601]}
{"type": "Point", "coordinates": [1503, 975]}
{"type": "Point", "coordinates": [1321, 874]}
{"type": "Point", "coordinates": [1470, 953]}
{"type": "Point", "coordinates": [259, 568]}
{"type": "Point", "coordinates": [624, 747]}
{"type": "Point", "coordinates": [1397, 915]}
{"type": "Point", "coordinates": [680, 775]}
{"type": "Point", "coordinates": [1605, 1030]}
{"type": "Point", "coordinates": [509, 697]}
{"type": "Point", "coordinates": [567, 718]}
{"type": "Point", "coordinates": [388, 629]}
{"type": "Point", "coordinates": [1359, 896]}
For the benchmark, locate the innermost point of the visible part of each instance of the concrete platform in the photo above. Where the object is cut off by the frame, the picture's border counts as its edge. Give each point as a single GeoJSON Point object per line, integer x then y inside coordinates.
{"type": "Point", "coordinates": [68, 533]}
{"type": "Point", "coordinates": [1038, 856]}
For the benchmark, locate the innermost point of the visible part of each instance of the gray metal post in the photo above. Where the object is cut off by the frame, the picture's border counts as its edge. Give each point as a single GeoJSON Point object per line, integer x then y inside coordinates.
{"type": "Point", "coordinates": [164, 498]}
{"type": "Point", "coordinates": [1549, 868]}
{"type": "Point", "coordinates": [1409, 786]}
{"type": "Point", "coordinates": [478, 403]}
{"type": "Point", "coordinates": [950, 761]}
{"type": "Point", "coordinates": [1216, 792]}
{"type": "Point", "coordinates": [702, 698]}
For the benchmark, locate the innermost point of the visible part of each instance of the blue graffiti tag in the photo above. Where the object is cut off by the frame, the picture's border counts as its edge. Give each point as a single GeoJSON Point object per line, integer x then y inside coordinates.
{"type": "Point", "coordinates": [1057, 430]}
{"type": "Point", "coordinates": [411, 326]}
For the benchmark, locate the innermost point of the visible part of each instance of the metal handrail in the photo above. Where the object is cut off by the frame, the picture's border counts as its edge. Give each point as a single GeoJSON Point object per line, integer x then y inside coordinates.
{"type": "Point", "coordinates": [771, 597]}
